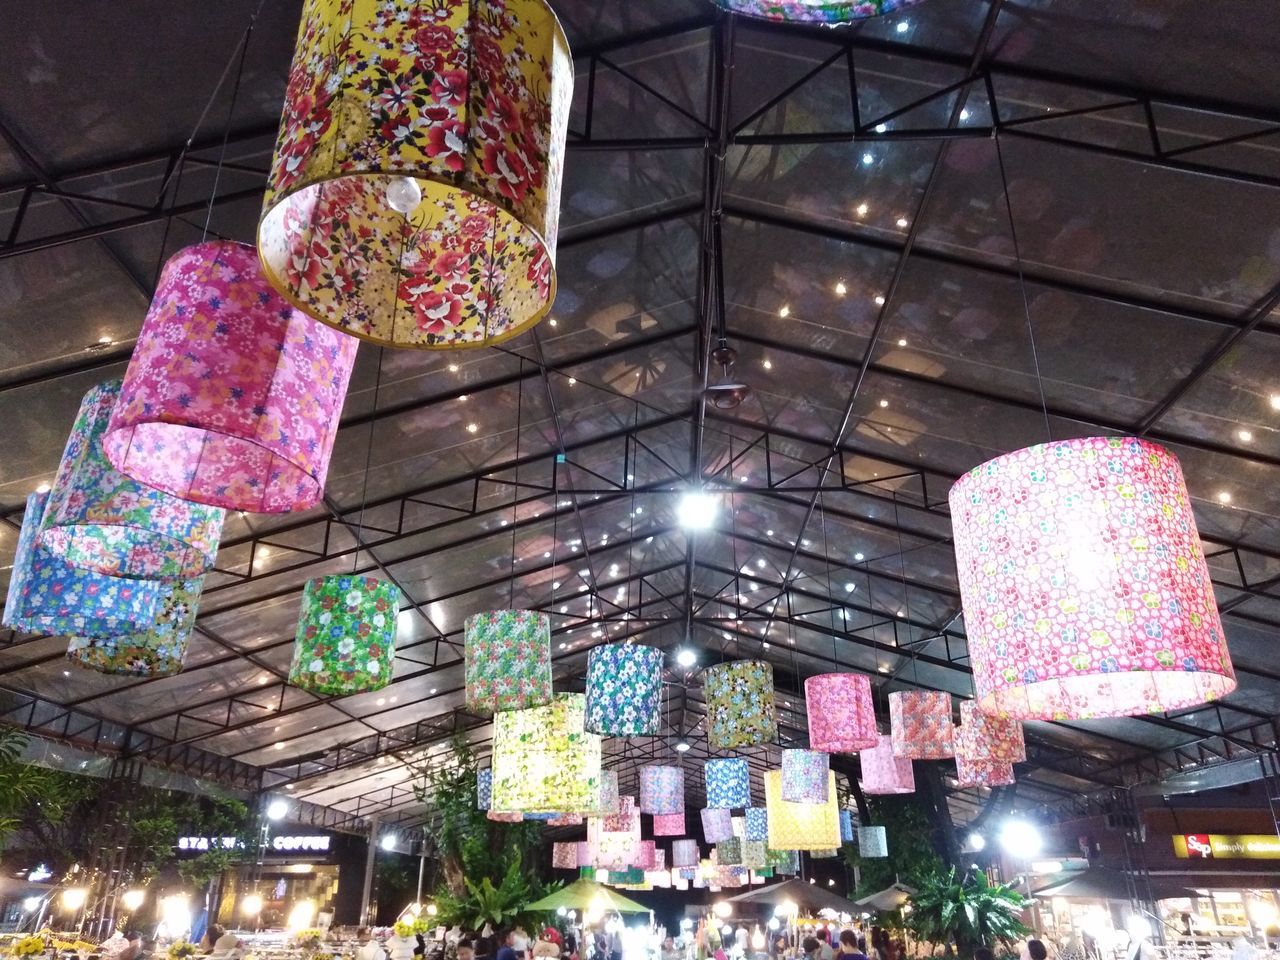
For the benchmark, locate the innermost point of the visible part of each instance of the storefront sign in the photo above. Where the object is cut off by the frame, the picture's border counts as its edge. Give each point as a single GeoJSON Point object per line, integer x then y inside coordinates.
{"type": "Point", "coordinates": [1209, 846]}
{"type": "Point", "coordinates": [300, 843]}
{"type": "Point", "coordinates": [315, 843]}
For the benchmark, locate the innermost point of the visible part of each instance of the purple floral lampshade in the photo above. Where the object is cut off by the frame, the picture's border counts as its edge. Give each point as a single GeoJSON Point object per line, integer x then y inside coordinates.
{"type": "Point", "coordinates": [101, 520]}
{"type": "Point", "coordinates": [346, 640]}
{"type": "Point", "coordinates": [48, 595]}
{"type": "Point", "coordinates": [508, 660]}
{"type": "Point", "coordinates": [717, 825]}
{"type": "Point", "coordinates": [158, 650]}
{"type": "Point", "coordinates": [728, 783]}
{"type": "Point", "coordinates": [804, 776]}
{"type": "Point", "coordinates": [684, 853]}
{"type": "Point", "coordinates": [669, 825]}
{"type": "Point", "coordinates": [883, 773]}
{"type": "Point", "coordinates": [661, 790]}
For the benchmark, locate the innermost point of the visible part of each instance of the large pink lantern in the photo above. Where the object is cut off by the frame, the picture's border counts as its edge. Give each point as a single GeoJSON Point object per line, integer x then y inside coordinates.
{"type": "Point", "coordinates": [232, 396]}
{"type": "Point", "coordinates": [983, 773]}
{"type": "Point", "coordinates": [668, 825]}
{"type": "Point", "coordinates": [1084, 583]}
{"type": "Point", "coordinates": [883, 773]}
{"type": "Point", "coordinates": [993, 739]}
{"type": "Point", "coordinates": [842, 717]}
{"type": "Point", "coordinates": [920, 724]}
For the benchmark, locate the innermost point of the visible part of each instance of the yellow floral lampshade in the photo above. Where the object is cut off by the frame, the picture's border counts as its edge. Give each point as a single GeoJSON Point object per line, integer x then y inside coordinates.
{"type": "Point", "coordinates": [801, 826]}
{"type": "Point", "coordinates": [415, 192]}
{"type": "Point", "coordinates": [543, 759]}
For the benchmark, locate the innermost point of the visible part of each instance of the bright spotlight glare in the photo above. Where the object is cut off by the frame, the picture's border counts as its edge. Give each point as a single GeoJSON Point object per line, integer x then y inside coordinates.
{"type": "Point", "coordinates": [696, 510]}
{"type": "Point", "coordinates": [1139, 927]}
{"type": "Point", "coordinates": [388, 841]}
{"type": "Point", "coordinates": [32, 904]}
{"type": "Point", "coordinates": [73, 898]}
{"type": "Point", "coordinates": [251, 905]}
{"type": "Point", "coordinates": [723, 909]}
{"type": "Point", "coordinates": [682, 747]}
{"type": "Point", "coordinates": [686, 658]}
{"type": "Point", "coordinates": [277, 809]}
{"type": "Point", "coordinates": [975, 842]}
{"type": "Point", "coordinates": [1020, 838]}
{"type": "Point", "coordinates": [132, 899]}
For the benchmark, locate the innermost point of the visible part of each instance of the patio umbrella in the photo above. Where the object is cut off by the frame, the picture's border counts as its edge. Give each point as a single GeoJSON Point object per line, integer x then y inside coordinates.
{"type": "Point", "coordinates": [585, 895]}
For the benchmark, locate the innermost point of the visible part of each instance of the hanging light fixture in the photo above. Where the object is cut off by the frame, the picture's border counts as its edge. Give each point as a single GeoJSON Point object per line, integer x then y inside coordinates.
{"type": "Point", "coordinates": [564, 856]}
{"type": "Point", "coordinates": [100, 520]}
{"type": "Point", "coordinates": [508, 660]}
{"type": "Point", "coordinates": [804, 776]}
{"type": "Point", "coordinates": [158, 650]}
{"type": "Point", "coordinates": [415, 192]}
{"type": "Point", "coordinates": [684, 853]}
{"type": "Point", "coordinates": [668, 824]}
{"type": "Point", "coordinates": [847, 831]}
{"type": "Point", "coordinates": [921, 725]}
{"type": "Point", "coordinates": [626, 820]}
{"type": "Point", "coordinates": [624, 690]}
{"type": "Point", "coordinates": [984, 737]}
{"type": "Point", "coordinates": [717, 824]}
{"type": "Point", "coordinates": [232, 397]}
{"type": "Point", "coordinates": [612, 849]}
{"type": "Point", "coordinates": [1084, 583]}
{"type": "Point", "coordinates": [753, 854]}
{"type": "Point", "coordinates": [728, 852]}
{"type": "Point", "coordinates": [544, 760]}
{"type": "Point", "coordinates": [346, 640]}
{"type": "Point", "coordinates": [756, 826]}
{"type": "Point", "coordinates": [48, 595]}
{"type": "Point", "coordinates": [842, 717]}
{"type": "Point", "coordinates": [661, 790]}
{"type": "Point", "coordinates": [873, 842]}
{"type": "Point", "coordinates": [983, 773]}
{"type": "Point", "coordinates": [782, 861]}
{"type": "Point", "coordinates": [484, 789]}
{"type": "Point", "coordinates": [801, 826]}
{"type": "Point", "coordinates": [609, 802]}
{"type": "Point", "coordinates": [740, 707]}
{"type": "Point", "coordinates": [883, 773]}
{"type": "Point", "coordinates": [728, 783]}
{"type": "Point", "coordinates": [816, 11]}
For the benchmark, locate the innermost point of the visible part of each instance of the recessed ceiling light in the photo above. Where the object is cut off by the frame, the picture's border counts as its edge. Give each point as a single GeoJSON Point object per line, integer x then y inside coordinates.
{"type": "Point", "coordinates": [682, 747]}
{"type": "Point", "coordinates": [472, 427]}
{"type": "Point", "coordinates": [552, 321]}
{"type": "Point", "coordinates": [453, 368]}
{"type": "Point", "coordinates": [768, 365]}
{"type": "Point", "coordinates": [902, 343]}
{"type": "Point", "coordinates": [881, 128]}
{"type": "Point", "coordinates": [686, 658]}
{"type": "Point", "coordinates": [696, 510]}
{"type": "Point", "coordinates": [862, 209]}
{"type": "Point", "coordinates": [900, 613]}
{"type": "Point", "coordinates": [904, 26]}
{"type": "Point", "coordinates": [884, 403]}
{"type": "Point", "coordinates": [43, 488]}
{"type": "Point", "coordinates": [1245, 436]}
{"type": "Point", "coordinates": [1224, 496]}
{"type": "Point", "coordinates": [879, 301]}
{"type": "Point", "coordinates": [902, 222]}
{"type": "Point", "coordinates": [760, 563]}
{"type": "Point", "coordinates": [857, 557]}
{"type": "Point", "coordinates": [964, 114]}
{"type": "Point", "coordinates": [850, 587]}
{"type": "Point", "coordinates": [1275, 401]}
{"type": "Point", "coordinates": [841, 289]}
{"type": "Point", "coordinates": [768, 533]}
{"type": "Point", "coordinates": [572, 381]}
{"type": "Point", "coordinates": [784, 312]}
{"type": "Point", "coordinates": [868, 159]}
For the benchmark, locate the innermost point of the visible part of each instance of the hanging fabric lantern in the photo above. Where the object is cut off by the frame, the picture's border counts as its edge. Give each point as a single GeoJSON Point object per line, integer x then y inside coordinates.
{"type": "Point", "coordinates": [566, 820]}
{"type": "Point", "coordinates": [921, 724]}
{"type": "Point", "coordinates": [684, 853]}
{"type": "Point", "coordinates": [539, 817]}
{"type": "Point", "coordinates": [668, 825]}
{"type": "Point", "coordinates": [154, 652]}
{"type": "Point", "coordinates": [873, 842]}
{"type": "Point", "coordinates": [804, 776]}
{"type": "Point", "coordinates": [782, 861]}
{"type": "Point", "coordinates": [612, 849]}
{"type": "Point", "coordinates": [625, 820]}
{"type": "Point", "coordinates": [544, 760]}
{"type": "Point", "coordinates": [983, 737]}
{"type": "Point", "coordinates": [740, 709]}
{"type": "Point", "coordinates": [816, 11]}
{"type": "Point", "coordinates": [232, 397]}
{"type": "Point", "coordinates": [609, 801]}
{"type": "Point", "coordinates": [728, 783]}
{"type": "Point", "coordinates": [847, 834]}
{"type": "Point", "coordinates": [661, 790]}
{"type": "Point", "coordinates": [499, 817]}
{"type": "Point", "coordinates": [584, 853]}
{"type": "Point", "coordinates": [842, 716]}
{"type": "Point", "coordinates": [415, 192]}
{"type": "Point", "coordinates": [100, 520]}
{"type": "Point", "coordinates": [983, 773]}
{"type": "Point", "coordinates": [728, 852]}
{"type": "Point", "coordinates": [508, 660]}
{"type": "Point", "coordinates": [564, 856]}
{"type": "Point", "coordinates": [757, 824]}
{"type": "Point", "coordinates": [484, 789]}
{"type": "Point", "coordinates": [801, 826]}
{"type": "Point", "coordinates": [1084, 583]}
{"type": "Point", "coordinates": [883, 773]}
{"type": "Point", "coordinates": [624, 690]}
{"type": "Point", "coordinates": [824, 854]}
{"type": "Point", "coordinates": [717, 825]}
{"type": "Point", "coordinates": [346, 638]}
{"type": "Point", "coordinates": [753, 854]}
{"type": "Point", "coordinates": [48, 595]}
{"type": "Point", "coordinates": [645, 856]}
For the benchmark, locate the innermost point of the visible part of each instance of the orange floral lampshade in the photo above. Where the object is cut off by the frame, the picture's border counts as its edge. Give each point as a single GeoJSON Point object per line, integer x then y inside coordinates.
{"type": "Point", "coordinates": [921, 724]}
{"type": "Point", "coordinates": [983, 737]}
{"type": "Point", "coordinates": [415, 192]}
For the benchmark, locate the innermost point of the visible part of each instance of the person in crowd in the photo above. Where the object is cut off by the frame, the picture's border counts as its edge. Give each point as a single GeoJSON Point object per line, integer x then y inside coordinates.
{"type": "Point", "coordinates": [812, 947]}
{"type": "Point", "coordinates": [668, 950]}
{"type": "Point", "coordinates": [1036, 949]}
{"type": "Point", "coordinates": [849, 949]}
{"type": "Point", "coordinates": [514, 943]}
{"type": "Point", "coordinates": [370, 948]}
{"type": "Point", "coordinates": [983, 953]}
{"type": "Point", "coordinates": [466, 950]}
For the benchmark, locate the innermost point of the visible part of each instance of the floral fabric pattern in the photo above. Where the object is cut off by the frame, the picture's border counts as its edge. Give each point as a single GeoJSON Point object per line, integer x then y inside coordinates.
{"type": "Point", "coordinates": [661, 790]}
{"type": "Point", "coordinates": [684, 853]}
{"type": "Point", "coordinates": [883, 773]}
{"type": "Point", "coordinates": [717, 825]}
{"type": "Point", "coordinates": [801, 826]}
{"type": "Point", "coordinates": [564, 856]}
{"type": "Point", "coordinates": [728, 783]}
{"type": "Point", "coordinates": [346, 638]}
{"type": "Point", "coordinates": [625, 820]}
{"type": "Point", "coordinates": [610, 802]}
{"type": "Point", "coordinates": [921, 725]}
{"type": "Point", "coordinates": [566, 820]}
{"type": "Point", "coordinates": [484, 789]}
{"type": "Point", "coordinates": [873, 842]}
{"type": "Point", "coordinates": [668, 824]}
{"type": "Point", "coordinates": [756, 825]}
{"type": "Point", "coordinates": [816, 11]}
{"type": "Point", "coordinates": [155, 652]}
{"type": "Point", "coordinates": [499, 817]}
{"type": "Point", "coordinates": [847, 834]}
{"type": "Point", "coordinates": [984, 737]}
{"type": "Point", "coordinates": [232, 396]}
{"type": "Point", "coordinates": [804, 776]}
{"type": "Point", "coordinates": [508, 660]}
{"type": "Point", "coordinates": [100, 520]}
{"type": "Point", "coordinates": [543, 759]}
{"type": "Point", "coordinates": [48, 595]}
{"type": "Point", "coordinates": [740, 707]}
{"type": "Point", "coordinates": [612, 849]}
{"type": "Point", "coordinates": [470, 100]}
{"type": "Point", "coordinates": [753, 854]}
{"type": "Point", "coordinates": [983, 773]}
{"type": "Point", "coordinates": [782, 861]}
{"type": "Point", "coordinates": [624, 690]}
{"type": "Point", "coordinates": [729, 852]}
{"type": "Point", "coordinates": [1084, 583]}
{"type": "Point", "coordinates": [842, 717]}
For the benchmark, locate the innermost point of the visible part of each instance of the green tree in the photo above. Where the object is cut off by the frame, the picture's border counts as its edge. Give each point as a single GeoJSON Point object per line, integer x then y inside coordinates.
{"type": "Point", "coordinates": [912, 853]}
{"type": "Point", "coordinates": [965, 912]}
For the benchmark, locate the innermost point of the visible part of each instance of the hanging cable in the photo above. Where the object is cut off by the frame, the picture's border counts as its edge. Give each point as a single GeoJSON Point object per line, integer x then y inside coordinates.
{"type": "Point", "coordinates": [515, 486]}
{"type": "Point", "coordinates": [368, 463]}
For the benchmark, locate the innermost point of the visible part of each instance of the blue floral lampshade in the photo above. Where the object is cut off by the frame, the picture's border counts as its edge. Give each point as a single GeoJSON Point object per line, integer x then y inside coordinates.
{"type": "Point", "coordinates": [484, 789]}
{"type": "Point", "coordinates": [804, 776]}
{"type": "Point", "coordinates": [156, 651]}
{"type": "Point", "coordinates": [48, 595]}
{"type": "Point", "coordinates": [757, 825]}
{"type": "Point", "coordinates": [624, 690]}
{"type": "Point", "coordinates": [847, 834]}
{"type": "Point", "coordinates": [728, 783]}
{"type": "Point", "coordinates": [661, 790]}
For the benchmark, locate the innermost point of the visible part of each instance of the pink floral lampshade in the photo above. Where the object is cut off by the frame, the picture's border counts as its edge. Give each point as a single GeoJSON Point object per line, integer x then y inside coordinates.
{"type": "Point", "coordinates": [804, 776]}
{"type": "Point", "coordinates": [564, 856]}
{"type": "Point", "coordinates": [232, 396]}
{"type": "Point", "coordinates": [99, 519]}
{"type": "Point", "coordinates": [883, 773]}
{"type": "Point", "coordinates": [668, 825]}
{"type": "Point", "coordinates": [627, 818]}
{"type": "Point", "coordinates": [983, 773]}
{"type": "Point", "coordinates": [983, 737]}
{"type": "Point", "coordinates": [414, 197]}
{"type": "Point", "coordinates": [661, 790]}
{"type": "Point", "coordinates": [842, 717]}
{"type": "Point", "coordinates": [921, 725]}
{"type": "Point", "coordinates": [1084, 583]}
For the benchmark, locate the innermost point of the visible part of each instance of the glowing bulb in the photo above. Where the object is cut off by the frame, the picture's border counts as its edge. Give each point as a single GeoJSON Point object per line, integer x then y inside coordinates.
{"type": "Point", "coordinates": [1020, 838]}
{"type": "Point", "coordinates": [302, 916]}
{"type": "Point", "coordinates": [841, 289]}
{"type": "Point", "coordinates": [432, 910]}
{"type": "Point", "coordinates": [133, 899]}
{"type": "Point", "coordinates": [43, 488]}
{"type": "Point", "coordinates": [73, 898]}
{"type": "Point", "coordinates": [686, 658]}
{"type": "Point", "coordinates": [388, 841]}
{"type": "Point", "coordinates": [277, 809]}
{"type": "Point", "coordinates": [32, 904]}
{"type": "Point", "coordinates": [902, 222]}
{"type": "Point", "coordinates": [472, 427]}
{"type": "Point", "coordinates": [862, 209]}
{"type": "Point", "coordinates": [868, 159]}
{"type": "Point", "coordinates": [1224, 496]}
{"type": "Point", "coordinates": [773, 923]}
{"type": "Point", "coordinates": [768, 365]}
{"type": "Point", "coordinates": [722, 909]}
{"type": "Point", "coordinates": [1275, 401]}
{"type": "Point", "coordinates": [696, 510]}
{"type": "Point", "coordinates": [1246, 436]}
{"type": "Point", "coordinates": [879, 301]}
{"type": "Point", "coordinates": [251, 905]}
{"type": "Point", "coordinates": [403, 195]}
{"type": "Point", "coordinates": [682, 747]}
{"type": "Point", "coordinates": [784, 312]}
{"type": "Point", "coordinates": [975, 842]}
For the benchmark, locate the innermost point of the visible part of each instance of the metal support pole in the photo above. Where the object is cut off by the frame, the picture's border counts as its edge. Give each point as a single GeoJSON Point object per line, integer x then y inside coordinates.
{"type": "Point", "coordinates": [422, 866]}
{"type": "Point", "coordinates": [365, 919]}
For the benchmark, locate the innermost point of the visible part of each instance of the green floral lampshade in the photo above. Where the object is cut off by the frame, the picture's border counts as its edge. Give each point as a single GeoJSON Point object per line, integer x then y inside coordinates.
{"type": "Point", "coordinates": [346, 635]}
{"type": "Point", "coordinates": [154, 652]}
{"type": "Point", "coordinates": [740, 710]}
{"type": "Point", "coordinates": [544, 760]}
{"type": "Point", "coordinates": [508, 660]}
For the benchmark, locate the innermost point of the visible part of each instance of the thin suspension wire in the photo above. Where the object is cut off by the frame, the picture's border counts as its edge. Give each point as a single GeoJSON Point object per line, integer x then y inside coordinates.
{"type": "Point", "coordinates": [906, 596]}
{"type": "Point", "coordinates": [826, 556]}
{"type": "Point", "coordinates": [515, 486]}
{"type": "Point", "coordinates": [368, 462]}
{"type": "Point", "coordinates": [1022, 288]}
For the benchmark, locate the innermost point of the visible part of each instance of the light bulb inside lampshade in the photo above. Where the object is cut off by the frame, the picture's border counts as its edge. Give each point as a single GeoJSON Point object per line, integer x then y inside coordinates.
{"type": "Point", "coordinates": [696, 510]}
{"type": "Point", "coordinates": [251, 905]}
{"type": "Point", "coordinates": [403, 195]}
{"type": "Point", "coordinates": [1020, 838]}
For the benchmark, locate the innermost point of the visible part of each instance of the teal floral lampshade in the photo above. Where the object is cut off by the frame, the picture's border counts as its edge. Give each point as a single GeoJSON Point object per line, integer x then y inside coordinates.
{"type": "Point", "coordinates": [158, 650]}
{"type": "Point", "coordinates": [624, 690]}
{"type": "Point", "coordinates": [740, 707]}
{"type": "Point", "coordinates": [346, 635]}
{"type": "Point", "coordinates": [48, 595]}
{"type": "Point", "coordinates": [728, 783]}
{"type": "Point", "coordinates": [544, 760]}
{"type": "Point", "coordinates": [508, 660]}
{"type": "Point", "coordinates": [804, 776]}
{"type": "Point", "coordinates": [101, 520]}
